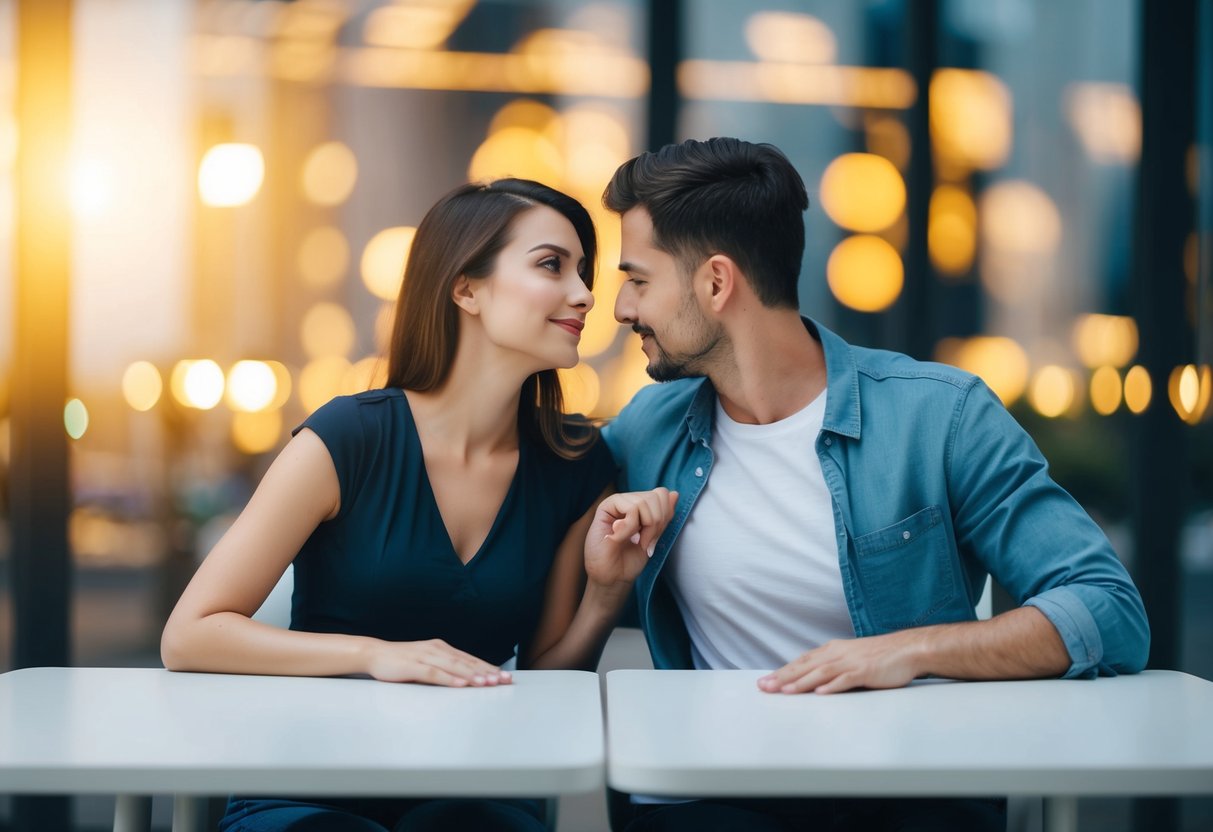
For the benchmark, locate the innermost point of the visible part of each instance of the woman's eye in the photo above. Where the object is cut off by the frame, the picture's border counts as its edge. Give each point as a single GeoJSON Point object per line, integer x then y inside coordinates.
{"type": "Point", "coordinates": [552, 264]}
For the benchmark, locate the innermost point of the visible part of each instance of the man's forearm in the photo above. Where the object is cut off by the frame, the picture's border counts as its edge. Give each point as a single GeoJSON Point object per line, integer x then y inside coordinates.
{"type": "Point", "coordinates": [1019, 644]}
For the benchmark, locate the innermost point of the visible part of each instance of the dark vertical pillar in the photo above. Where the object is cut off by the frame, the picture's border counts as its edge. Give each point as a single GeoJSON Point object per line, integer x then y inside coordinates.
{"type": "Point", "coordinates": [665, 53]}
{"type": "Point", "coordinates": [1165, 216]}
{"type": "Point", "coordinates": [39, 480]}
{"type": "Point", "coordinates": [914, 325]}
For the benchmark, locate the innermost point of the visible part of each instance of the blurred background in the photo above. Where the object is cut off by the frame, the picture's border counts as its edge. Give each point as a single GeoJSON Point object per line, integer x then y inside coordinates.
{"type": "Point", "coordinates": [205, 206]}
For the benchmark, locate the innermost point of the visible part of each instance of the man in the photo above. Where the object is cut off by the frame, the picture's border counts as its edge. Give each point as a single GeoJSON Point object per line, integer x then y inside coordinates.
{"type": "Point", "coordinates": [840, 507]}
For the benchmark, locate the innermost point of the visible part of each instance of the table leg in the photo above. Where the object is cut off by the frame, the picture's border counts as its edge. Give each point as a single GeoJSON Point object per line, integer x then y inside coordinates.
{"type": "Point", "coordinates": [132, 813]}
{"type": "Point", "coordinates": [186, 813]}
{"type": "Point", "coordinates": [1061, 814]}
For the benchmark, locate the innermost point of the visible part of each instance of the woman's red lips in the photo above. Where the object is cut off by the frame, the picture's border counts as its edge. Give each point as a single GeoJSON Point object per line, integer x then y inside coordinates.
{"type": "Point", "coordinates": [570, 324]}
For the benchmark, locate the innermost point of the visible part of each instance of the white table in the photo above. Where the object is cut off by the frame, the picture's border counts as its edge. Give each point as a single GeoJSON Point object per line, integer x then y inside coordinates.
{"type": "Point", "coordinates": [142, 731]}
{"type": "Point", "coordinates": [701, 733]}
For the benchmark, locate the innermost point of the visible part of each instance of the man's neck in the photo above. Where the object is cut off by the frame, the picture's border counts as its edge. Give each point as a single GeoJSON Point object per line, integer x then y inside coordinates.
{"type": "Point", "coordinates": [774, 368]}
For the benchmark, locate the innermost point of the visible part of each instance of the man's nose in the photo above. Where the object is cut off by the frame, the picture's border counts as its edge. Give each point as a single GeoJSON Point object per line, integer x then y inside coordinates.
{"type": "Point", "coordinates": [625, 307]}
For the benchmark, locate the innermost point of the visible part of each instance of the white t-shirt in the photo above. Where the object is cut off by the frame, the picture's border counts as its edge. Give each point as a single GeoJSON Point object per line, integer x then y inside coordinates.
{"type": "Point", "coordinates": [755, 569]}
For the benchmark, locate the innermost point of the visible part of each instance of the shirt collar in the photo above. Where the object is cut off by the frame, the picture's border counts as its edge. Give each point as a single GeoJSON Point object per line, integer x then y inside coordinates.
{"type": "Point", "coordinates": [842, 391]}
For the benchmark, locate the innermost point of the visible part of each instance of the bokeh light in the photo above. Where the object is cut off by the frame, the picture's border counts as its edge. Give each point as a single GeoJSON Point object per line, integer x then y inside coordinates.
{"type": "Point", "coordinates": [251, 386]}
{"type": "Point", "coordinates": [1018, 217]}
{"type": "Point", "coordinates": [75, 418]}
{"type": "Point", "coordinates": [952, 230]}
{"type": "Point", "coordinates": [790, 37]}
{"type": "Point", "coordinates": [517, 151]}
{"type": "Point", "coordinates": [256, 433]}
{"type": "Point", "coordinates": [329, 174]}
{"type": "Point", "coordinates": [230, 174]}
{"type": "Point", "coordinates": [1052, 391]}
{"type": "Point", "coordinates": [197, 384]}
{"type": "Point", "coordinates": [383, 261]}
{"type": "Point", "coordinates": [327, 329]}
{"type": "Point", "coordinates": [865, 273]}
{"type": "Point", "coordinates": [1105, 390]}
{"type": "Point", "coordinates": [1138, 389]}
{"type": "Point", "coordinates": [1103, 340]}
{"type": "Point", "coordinates": [369, 373]}
{"type": "Point", "coordinates": [321, 380]}
{"type": "Point", "coordinates": [1190, 388]}
{"type": "Point", "coordinates": [970, 118]}
{"type": "Point", "coordinates": [581, 388]}
{"type": "Point", "coordinates": [282, 384]}
{"type": "Point", "coordinates": [142, 385]}
{"type": "Point", "coordinates": [863, 192]}
{"type": "Point", "coordinates": [1107, 120]}
{"type": "Point", "coordinates": [999, 361]}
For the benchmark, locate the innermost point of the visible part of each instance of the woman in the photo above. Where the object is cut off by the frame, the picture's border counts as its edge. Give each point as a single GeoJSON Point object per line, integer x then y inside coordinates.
{"type": "Point", "coordinates": [439, 523]}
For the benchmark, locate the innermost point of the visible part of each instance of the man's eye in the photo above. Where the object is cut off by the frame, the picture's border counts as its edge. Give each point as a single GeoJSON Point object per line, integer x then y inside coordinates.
{"type": "Point", "coordinates": [636, 282]}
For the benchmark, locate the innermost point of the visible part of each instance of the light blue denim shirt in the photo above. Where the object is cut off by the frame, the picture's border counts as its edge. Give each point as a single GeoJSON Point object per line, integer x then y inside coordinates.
{"type": "Point", "coordinates": [933, 484]}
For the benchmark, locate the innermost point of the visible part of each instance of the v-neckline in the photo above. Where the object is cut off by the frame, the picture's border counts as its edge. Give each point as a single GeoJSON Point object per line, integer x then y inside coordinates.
{"type": "Point", "coordinates": [498, 518]}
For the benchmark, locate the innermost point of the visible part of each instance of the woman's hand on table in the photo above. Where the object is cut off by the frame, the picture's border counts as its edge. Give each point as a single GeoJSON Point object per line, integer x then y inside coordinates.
{"type": "Point", "coordinates": [432, 662]}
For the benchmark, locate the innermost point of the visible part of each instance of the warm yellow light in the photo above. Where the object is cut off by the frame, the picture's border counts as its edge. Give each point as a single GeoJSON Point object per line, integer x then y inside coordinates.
{"type": "Point", "coordinates": [581, 388]}
{"type": "Point", "coordinates": [1105, 390]}
{"type": "Point", "coordinates": [886, 136]}
{"type": "Point", "coordinates": [1138, 389]}
{"type": "Point", "coordinates": [369, 373]}
{"type": "Point", "coordinates": [601, 328]}
{"type": "Point", "coordinates": [324, 256]}
{"type": "Point", "coordinates": [142, 385]}
{"type": "Point", "coordinates": [329, 174]}
{"type": "Point", "coordinates": [383, 261]}
{"type": "Point", "coordinates": [517, 151]}
{"type": "Point", "coordinates": [865, 273]}
{"type": "Point", "coordinates": [1107, 120]}
{"type": "Point", "coordinates": [92, 188]}
{"type": "Point", "coordinates": [970, 118]}
{"type": "Point", "coordinates": [321, 380]}
{"type": "Point", "coordinates": [595, 143]}
{"type": "Point", "coordinates": [251, 386]}
{"type": "Point", "coordinates": [525, 113]}
{"type": "Point", "coordinates": [844, 86]}
{"type": "Point", "coordinates": [790, 37]}
{"type": "Point", "coordinates": [282, 384]}
{"type": "Point", "coordinates": [1105, 340]}
{"type": "Point", "coordinates": [623, 377]}
{"type": "Point", "coordinates": [75, 418]}
{"type": "Point", "coordinates": [6, 441]}
{"type": "Point", "coordinates": [1190, 389]}
{"type": "Point", "coordinates": [863, 192]}
{"type": "Point", "coordinates": [1052, 392]}
{"type": "Point", "coordinates": [256, 433]}
{"type": "Point", "coordinates": [1000, 362]}
{"type": "Point", "coordinates": [230, 174]}
{"type": "Point", "coordinates": [952, 230]}
{"type": "Point", "coordinates": [415, 26]}
{"type": "Point", "coordinates": [197, 384]}
{"type": "Point", "coordinates": [1018, 217]}
{"type": "Point", "coordinates": [327, 329]}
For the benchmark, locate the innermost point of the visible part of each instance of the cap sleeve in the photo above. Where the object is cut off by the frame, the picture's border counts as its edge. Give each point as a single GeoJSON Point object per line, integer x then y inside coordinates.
{"type": "Point", "coordinates": [339, 426]}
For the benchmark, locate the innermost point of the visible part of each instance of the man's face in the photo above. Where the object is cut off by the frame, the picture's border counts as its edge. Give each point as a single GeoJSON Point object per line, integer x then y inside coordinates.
{"type": "Point", "coordinates": [658, 301]}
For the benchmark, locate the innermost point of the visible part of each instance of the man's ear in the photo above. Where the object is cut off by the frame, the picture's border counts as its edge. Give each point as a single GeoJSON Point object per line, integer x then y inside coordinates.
{"type": "Point", "coordinates": [719, 281]}
{"type": "Point", "coordinates": [464, 297]}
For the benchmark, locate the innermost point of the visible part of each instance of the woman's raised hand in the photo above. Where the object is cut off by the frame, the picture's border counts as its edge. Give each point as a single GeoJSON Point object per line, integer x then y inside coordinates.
{"type": "Point", "coordinates": [432, 662]}
{"type": "Point", "coordinates": [624, 534]}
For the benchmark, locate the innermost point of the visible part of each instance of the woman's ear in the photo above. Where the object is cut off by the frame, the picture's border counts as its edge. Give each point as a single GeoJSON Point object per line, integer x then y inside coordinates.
{"type": "Point", "coordinates": [464, 297]}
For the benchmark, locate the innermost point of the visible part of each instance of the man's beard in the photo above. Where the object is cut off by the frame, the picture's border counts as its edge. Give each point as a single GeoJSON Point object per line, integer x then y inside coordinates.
{"type": "Point", "coordinates": [671, 367]}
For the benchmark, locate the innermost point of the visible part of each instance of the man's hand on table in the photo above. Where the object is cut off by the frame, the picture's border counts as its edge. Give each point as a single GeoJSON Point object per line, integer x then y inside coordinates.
{"type": "Point", "coordinates": [886, 661]}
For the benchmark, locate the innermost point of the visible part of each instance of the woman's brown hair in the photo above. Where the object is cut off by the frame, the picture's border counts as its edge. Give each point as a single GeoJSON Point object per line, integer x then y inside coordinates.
{"type": "Point", "coordinates": [462, 235]}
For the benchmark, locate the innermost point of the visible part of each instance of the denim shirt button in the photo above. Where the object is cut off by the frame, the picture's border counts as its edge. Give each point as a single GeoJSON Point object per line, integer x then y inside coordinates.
{"type": "Point", "coordinates": [699, 472]}
{"type": "Point", "coordinates": [829, 441]}
{"type": "Point", "coordinates": [905, 535]}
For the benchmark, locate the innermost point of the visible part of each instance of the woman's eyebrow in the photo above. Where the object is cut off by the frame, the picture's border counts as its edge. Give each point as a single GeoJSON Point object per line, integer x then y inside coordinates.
{"type": "Point", "coordinates": [561, 251]}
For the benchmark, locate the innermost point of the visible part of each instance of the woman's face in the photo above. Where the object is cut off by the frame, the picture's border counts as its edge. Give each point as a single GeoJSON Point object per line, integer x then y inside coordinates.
{"type": "Point", "coordinates": [534, 303]}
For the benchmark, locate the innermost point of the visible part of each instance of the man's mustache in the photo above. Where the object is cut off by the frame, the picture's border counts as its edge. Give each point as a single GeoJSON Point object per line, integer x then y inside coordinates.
{"type": "Point", "coordinates": [642, 330]}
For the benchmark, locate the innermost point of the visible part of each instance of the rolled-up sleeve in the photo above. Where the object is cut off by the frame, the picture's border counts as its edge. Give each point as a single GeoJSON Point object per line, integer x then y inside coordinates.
{"type": "Point", "coordinates": [1038, 543]}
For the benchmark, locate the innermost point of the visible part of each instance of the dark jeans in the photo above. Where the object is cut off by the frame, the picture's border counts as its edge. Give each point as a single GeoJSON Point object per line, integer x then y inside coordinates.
{"type": "Point", "coordinates": [821, 815]}
{"type": "Point", "coordinates": [381, 815]}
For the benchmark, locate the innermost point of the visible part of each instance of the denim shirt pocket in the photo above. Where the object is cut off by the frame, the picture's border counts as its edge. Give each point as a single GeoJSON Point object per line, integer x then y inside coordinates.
{"type": "Point", "coordinates": [906, 571]}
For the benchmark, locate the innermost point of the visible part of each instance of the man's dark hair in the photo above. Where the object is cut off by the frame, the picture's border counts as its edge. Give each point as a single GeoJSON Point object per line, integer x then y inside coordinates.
{"type": "Point", "coordinates": [722, 196]}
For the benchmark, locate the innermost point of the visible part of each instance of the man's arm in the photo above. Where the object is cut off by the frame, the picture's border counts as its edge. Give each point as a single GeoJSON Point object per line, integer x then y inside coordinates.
{"type": "Point", "coordinates": [1019, 644]}
{"type": "Point", "coordinates": [1079, 612]}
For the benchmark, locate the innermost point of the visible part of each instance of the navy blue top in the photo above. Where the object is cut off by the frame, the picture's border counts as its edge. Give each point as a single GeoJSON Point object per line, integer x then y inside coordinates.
{"type": "Point", "coordinates": [385, 567]}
